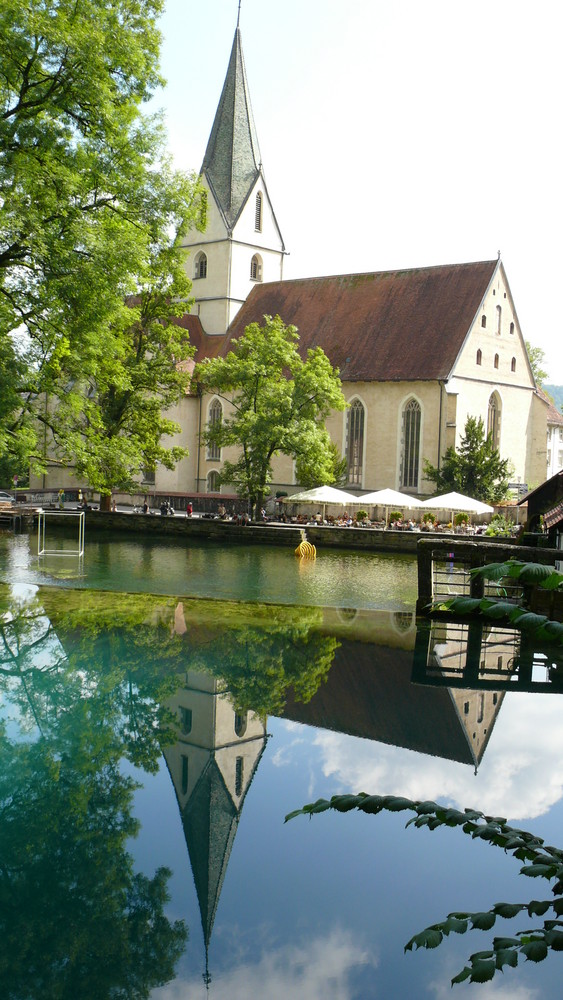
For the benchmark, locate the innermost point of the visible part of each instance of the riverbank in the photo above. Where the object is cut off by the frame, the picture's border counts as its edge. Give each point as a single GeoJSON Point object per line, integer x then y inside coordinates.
{"type": "Point", "coordinates": [274, 533]}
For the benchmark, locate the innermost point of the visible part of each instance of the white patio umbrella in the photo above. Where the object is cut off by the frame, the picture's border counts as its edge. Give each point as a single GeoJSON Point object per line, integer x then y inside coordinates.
{"type": "Point", "coordinates": [457, 501]}
{"type": "Point", "coordinates": [391, 498]}
{"type": "Point", "coordinates": [324, 495]}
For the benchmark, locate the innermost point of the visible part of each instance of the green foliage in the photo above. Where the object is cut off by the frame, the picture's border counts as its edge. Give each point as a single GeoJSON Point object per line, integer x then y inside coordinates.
{"type": "Point", "coordinates": [535, 573]}
{"type": "Point", "coordinates": [429, 518]}
{"type": "Point", "coordinates": [556, 394]}
{"type": "Point", "coordinates": [395, 515]}
{"type": "Point", "coordinates": [310, 474]}
{"type": "Point", "coordinates": [92, 213]}
{"type": "Point", "coordinates": [540, 626]}
{"type": "Point", "coordinates": [500, 526]}
{"type": "Point", "coordinates": [477, 470]}
{"type": "Point", "coordinates": [361, 515]}
{"type": "Point", "coordinates": [277, 404]}
{"type": "Point", "coordinates": [540, 861]}
{"type": "Point", "coordinates": [513, 571]}
{"type": "Point", "coordinates": [536, 357]}
{"type": "Point", "coordinates": [73, 911]}
{"type": "Point", "coordinates": [261, 651]}
{"type": "Point", "coordinates": [461, 518]}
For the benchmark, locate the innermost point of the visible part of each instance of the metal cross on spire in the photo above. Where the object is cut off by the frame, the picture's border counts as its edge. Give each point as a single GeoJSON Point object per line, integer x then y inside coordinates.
{"type": "Point", "coordinates": [238, 15]}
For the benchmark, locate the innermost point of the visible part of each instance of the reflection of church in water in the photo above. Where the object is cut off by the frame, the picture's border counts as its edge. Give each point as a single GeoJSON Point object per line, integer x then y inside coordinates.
{"type": "Point", "coordinates": [368, 694]}
{"type": "Point", "coordinates": [211, 765]}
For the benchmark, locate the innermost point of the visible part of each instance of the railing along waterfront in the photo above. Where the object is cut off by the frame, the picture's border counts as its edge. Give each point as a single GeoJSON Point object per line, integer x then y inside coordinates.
{"type": "Point", "coordinates": [444, 569]}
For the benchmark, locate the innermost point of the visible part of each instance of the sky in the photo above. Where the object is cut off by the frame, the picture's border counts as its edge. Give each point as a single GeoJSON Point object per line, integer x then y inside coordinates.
{"type": "Point", "coordinates": [393, 135]}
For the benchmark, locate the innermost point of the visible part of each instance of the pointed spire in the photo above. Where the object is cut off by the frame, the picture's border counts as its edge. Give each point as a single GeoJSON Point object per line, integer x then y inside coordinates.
{"type": "Point", "coordinates": [232, 158]}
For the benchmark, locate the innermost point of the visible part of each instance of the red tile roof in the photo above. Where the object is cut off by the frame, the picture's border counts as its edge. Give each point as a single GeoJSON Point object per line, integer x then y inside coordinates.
{"type": "Point", "coordinates": [386, 326]}
{"type": "Point", "coordinates": [206, 346]}
{"type": "Point", "coordinates": [369, 693]}
{"type": "Point", "coordinates": [554, 416]}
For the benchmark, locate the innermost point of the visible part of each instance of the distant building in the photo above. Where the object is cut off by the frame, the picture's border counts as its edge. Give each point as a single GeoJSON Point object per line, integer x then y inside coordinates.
{"type": "Point", "coordinates": [554, 439]}
{"type": "Point", "coordinates": [418, 350]}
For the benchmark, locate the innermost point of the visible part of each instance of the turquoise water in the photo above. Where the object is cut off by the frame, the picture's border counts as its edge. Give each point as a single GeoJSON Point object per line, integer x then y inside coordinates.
{"type": "Point", "coordinates": [247, 572]}
{"type": "Point", "coordinates": [151, 746]}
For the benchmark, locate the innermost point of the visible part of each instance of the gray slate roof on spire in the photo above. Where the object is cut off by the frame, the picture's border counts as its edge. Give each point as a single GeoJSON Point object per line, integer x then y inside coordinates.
{"type": "Point", "coordinates": [232, 158]}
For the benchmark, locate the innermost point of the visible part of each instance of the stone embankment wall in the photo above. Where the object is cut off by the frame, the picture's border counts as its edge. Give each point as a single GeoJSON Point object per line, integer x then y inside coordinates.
{"type": "Point", "coordinates": [227, 532]}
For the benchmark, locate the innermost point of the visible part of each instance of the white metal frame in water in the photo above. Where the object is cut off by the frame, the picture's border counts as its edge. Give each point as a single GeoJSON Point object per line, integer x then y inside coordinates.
{"type": "Point", "coordinates": [41, 523]}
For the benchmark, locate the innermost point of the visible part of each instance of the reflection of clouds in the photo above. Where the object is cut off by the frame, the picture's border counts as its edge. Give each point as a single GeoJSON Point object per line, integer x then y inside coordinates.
{"type": "Point", "coordinates": [285, 755]}
{"type": "Point", "coordinates": [512, 781]}
{"type": "Point", "coordinates": [322, 970]}
{"type": "Point", "coordinates": [497, 989]}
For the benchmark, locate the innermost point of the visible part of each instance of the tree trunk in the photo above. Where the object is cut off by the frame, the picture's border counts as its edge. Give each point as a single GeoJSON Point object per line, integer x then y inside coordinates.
{"type": "Point", "coordinates": [105, 502]}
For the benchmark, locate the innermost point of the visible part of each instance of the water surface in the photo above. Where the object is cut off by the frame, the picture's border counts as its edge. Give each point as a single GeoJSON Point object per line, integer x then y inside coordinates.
{"type": "Point", "coordinates": [152, 744]}
{"type": "Point", "coordinates": [338, 578]}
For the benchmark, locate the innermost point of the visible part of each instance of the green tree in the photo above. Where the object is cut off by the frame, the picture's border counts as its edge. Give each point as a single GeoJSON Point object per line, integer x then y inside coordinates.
{"type": "Point", "coordinates": [476, 470]}
{"type": "Point", "coordinates": [333, 470]}
{"type": "Point", "coordinates": [536, 357]}
{"type": "Point", "coordinates": [91, 213]}
{"type": "Point", "coordinates": [76, 919]}
{"type": "Point", "coordinates": [277, 404]}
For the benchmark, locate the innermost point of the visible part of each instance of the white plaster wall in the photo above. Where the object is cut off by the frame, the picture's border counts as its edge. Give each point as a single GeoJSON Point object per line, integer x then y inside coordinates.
{"type": "Point", "coordinates": [554, 459]}
{"type": "Point", "coordinates": [219, 296]}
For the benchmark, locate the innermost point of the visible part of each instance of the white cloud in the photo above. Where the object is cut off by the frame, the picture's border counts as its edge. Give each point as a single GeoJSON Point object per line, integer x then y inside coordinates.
{"type": "Point", "coordinates": [317, 970]}
{"type": "Point", "coordinates": [512, 780]}
{"type": "Point", "coordinates": [500, 988]}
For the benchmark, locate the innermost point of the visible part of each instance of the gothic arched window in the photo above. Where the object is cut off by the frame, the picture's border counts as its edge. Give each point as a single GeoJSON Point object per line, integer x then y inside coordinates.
{"type": "Point", "coordinates": [215, 417]}
{"type": "Point", "coordinates": [241, 720]}
{"type": "Point", "coordinates": [256, 268]}
{"type": "Point", "coordinates": [200, 265]}
{"type": "Point", "coordinates": [410, 444]}
{"type": "Point", "coordinates": [213, 482]}
{"type": "Point", "coordinates": [479, 358]}
{"type": "Point", "coordinates": [355, 443]}
{"type": "Point", "coordinates": [258, 213]}
{"type": "Point", "coordinates": [494, 419]}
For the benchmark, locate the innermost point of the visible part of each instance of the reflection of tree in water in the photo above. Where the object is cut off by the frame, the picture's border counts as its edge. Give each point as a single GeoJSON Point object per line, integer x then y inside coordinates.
{"type": "Point", "coordinates": [87, 677]}
{"type": "Point", "coordinates": [261, 651]}
{"type": "Point", "coordinates": [75, 919]}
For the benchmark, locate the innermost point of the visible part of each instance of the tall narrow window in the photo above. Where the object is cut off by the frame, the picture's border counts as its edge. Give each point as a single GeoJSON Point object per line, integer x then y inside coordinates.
{"type": "Point", "coordinates": [184, 774]}
{"type": "Point", "coordinates": [496, 360]}
{"type": "Point", "coordinates": [512, 327]}
{"type": "Point", "coordinates": [239, 775]}
{"type": "Point", "coordinates": [483, 320]}
{"type": "Point", "coordinates": [213, 482]}
{"type": "Point", "coordinates": [215, 417]}
{"type": "Point", "coordinates": [185, 720]}
{"type": "Point", "coordinates": [200, 265]}
{"type": "Point", "coordinates": [410, 452]}
{"type": "Point", "coordinates": [256, 268]}
{"type": "Point", "coordinates": [240, 723]}
{"type": "Point", "coordinates": [479, 357]}
{"type": "Point", "coordinates": [499, 320]}
{"type": "Point", "coordinates": [513, 365]}
{"type": "Point", "coordinates": [494, 419]}
{"type": "Point", "coordinates": [355, 443]}
{"type": "Point", "coordinates": [258, 213]}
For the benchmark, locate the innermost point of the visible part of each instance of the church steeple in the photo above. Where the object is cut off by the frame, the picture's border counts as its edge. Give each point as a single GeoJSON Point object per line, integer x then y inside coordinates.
{"type": "Point", "coordinates": [242, 244]}
{"type": "Point", "coordinates": [232, 159]}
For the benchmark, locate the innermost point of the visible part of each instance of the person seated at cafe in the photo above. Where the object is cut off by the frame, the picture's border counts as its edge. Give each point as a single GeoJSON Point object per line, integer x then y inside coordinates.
{"type": "Point", "coordinates": [222, 511]}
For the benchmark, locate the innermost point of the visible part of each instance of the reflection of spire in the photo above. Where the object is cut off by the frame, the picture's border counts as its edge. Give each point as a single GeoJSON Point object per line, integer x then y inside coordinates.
{"type": "Point", "coordinates": [212, 766]}
{"type": "Point", "coordinates": [206, 976]}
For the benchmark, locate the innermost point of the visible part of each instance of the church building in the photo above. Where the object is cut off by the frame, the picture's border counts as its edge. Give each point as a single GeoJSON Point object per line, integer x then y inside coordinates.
{"type": "Point", "coordinates": [418, 350]}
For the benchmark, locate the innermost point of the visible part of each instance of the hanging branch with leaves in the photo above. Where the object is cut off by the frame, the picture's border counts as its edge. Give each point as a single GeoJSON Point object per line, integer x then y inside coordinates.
{"type": "Point", "coordinates": [541, 862]}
